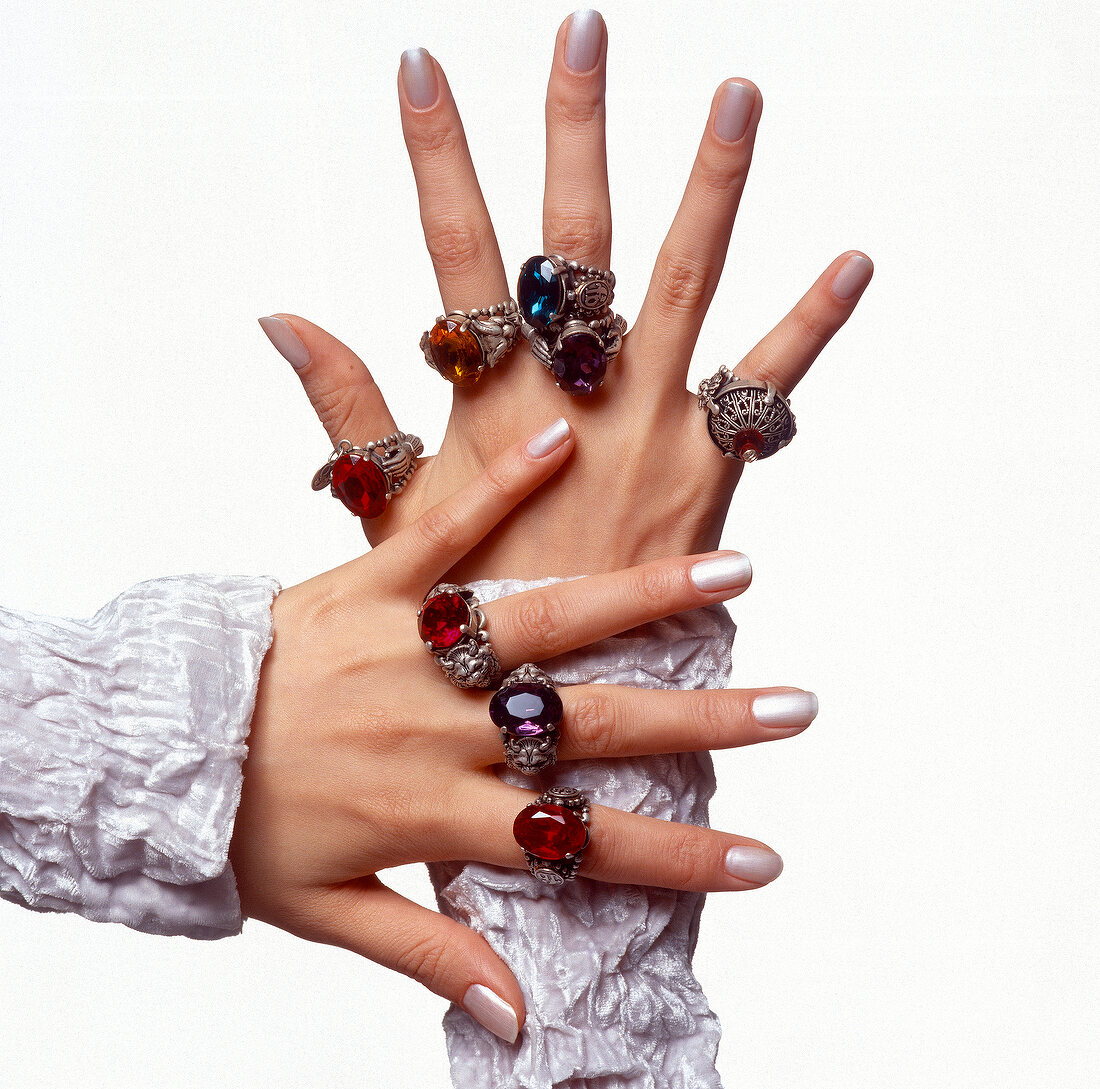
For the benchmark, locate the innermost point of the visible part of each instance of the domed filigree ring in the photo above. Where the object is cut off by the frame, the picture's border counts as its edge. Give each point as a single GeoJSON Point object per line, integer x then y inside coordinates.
{"type": "Point", "coordinates": [452, 626]}
{"type": "Point", "coordinates": [527, 709]}
{"type": "Point", "coordinates": [461, 346]}
{"type": "Point", "coordinates": [747, 420]}
{"type": "Point", "coordinates": [366, 478]}
{"type": "Point", "coordinates": [553, 832]}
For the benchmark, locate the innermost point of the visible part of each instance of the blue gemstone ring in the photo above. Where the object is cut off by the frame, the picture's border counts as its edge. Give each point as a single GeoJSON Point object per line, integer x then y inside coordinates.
{"type": "Point", "coordinates": [565, 308]}
{"type": "Point", "coordinates": [527, 710]}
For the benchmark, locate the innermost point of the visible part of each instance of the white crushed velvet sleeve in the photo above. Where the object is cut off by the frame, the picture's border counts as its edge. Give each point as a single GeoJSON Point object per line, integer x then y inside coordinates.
{"type": "Point", "coordinates": [605, 969]}
{"type": "Point", "coordinates": [121, 744]}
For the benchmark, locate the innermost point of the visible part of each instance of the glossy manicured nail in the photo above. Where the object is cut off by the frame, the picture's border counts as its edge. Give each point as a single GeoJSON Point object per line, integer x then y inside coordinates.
{"type": "Point", "coordinates": [286, 341]}
{"type": "Point", "coordinates": [756, 865]}
{"type": "Point", "coordinates": [785, 710]}
{"type": "Point", "coordinates": [418, 75]}
{"type": "Point", "coordinates": [854, 276]}
{"type": "Point", "coordinates": [727, 572]}
{"type": "Point", "coordinates": [490, 1010]}
{"type": "Point", "coordinates": [584, 40]}
{"type": "Point", "coordinates": [546, 442]}
{"type": "Point", "coordinates": [734, 110]}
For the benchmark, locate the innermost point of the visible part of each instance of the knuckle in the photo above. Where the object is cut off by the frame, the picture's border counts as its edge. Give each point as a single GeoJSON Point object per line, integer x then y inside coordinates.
{"type": "Point", "coordinates": [577, 232]}
{"type": "Point", "coordinates": [454, 245]}
{"type": "Point", "coordinates": [429, 141]}
{"type": "Point", "coordinates": [655, 587]}
{"type": "Point", "coordinates": [811, 326]}
{"type": "Point", "coordinates": [685, 856]}
{"type": "Point", "coordinates": [574, 109]}
{"type": "Point", "coordinates": [438, 529]}
{"type": "Point", "coordinates": [682, 286]}
{"type": "Point", "coordinates": [708, 715]}
{"type": "Point", "coordinates": [593, 724]}
{"type": "Point", "coordinates": [335, 408]}
{"type": "Point", "coordinates": [720, 174]}
{"type": "Point", "coordinates": [497, 481]}
{"type": "Point", "coordinates": [424, 960]}
{"type": "Point", "coordinates": [541, 621]}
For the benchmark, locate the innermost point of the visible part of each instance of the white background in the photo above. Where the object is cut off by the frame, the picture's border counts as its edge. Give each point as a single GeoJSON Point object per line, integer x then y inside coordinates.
{"type": "Point", "coordinates": [925, 552]}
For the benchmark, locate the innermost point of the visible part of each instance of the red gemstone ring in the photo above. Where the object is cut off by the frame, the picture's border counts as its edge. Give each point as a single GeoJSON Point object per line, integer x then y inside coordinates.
{"type": "Point", "coordinates": [366, 478]}
{"type": "Point", "coordinates": [452, 626]}
{"type": "Point", "coordinates": [461, 346]}
{"type": "Point", "coordinates": [527, 709]}
{"type": "Point", "coordinates": [553, 832]}
{"type": "Point", "coordinates": [747, 420]}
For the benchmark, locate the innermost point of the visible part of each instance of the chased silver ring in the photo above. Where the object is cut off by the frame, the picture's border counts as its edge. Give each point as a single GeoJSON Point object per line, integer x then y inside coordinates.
{"type": "Point", "coordinates": [462, 344]}
{"type": "Point", "coordinates": [747, 420]}
{"type": "Point", "coordinates": [452, 626]}
{"type": "Point", "coordinates": [528, 711]}
{"type": "Point", "coordinates": [366, 478]}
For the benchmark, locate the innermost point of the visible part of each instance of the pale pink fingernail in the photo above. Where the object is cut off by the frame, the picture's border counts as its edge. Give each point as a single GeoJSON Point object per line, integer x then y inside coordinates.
{"type": "Point", "coordinates": [488, 1009]}
{"type": "Point", "coordinates": [547, 441]}
{"type": "Point", "coordinates": [287, 342]}
{"type": "Point", "coordinates": [418, 76]}
{"type": "Point", "coordinates": [734, 111]}
{"type": "Point", "coordinates": [785, 710]}
{"type": "Point", "coordinates": [584, 40]}
{"type": "Point", "coordinates": [756, 865]}
{"type": "Point", "coordinates": [728, 572]}
{"type": "Point", "coordinates": [853, 277]}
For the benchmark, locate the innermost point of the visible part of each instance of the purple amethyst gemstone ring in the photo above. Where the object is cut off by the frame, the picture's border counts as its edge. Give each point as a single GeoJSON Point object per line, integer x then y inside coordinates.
{"type": "Point", "coordinates": [527, 710]}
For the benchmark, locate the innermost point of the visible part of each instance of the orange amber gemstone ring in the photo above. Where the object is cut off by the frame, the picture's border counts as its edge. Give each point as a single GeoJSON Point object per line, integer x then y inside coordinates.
{"type": "Point", "coordinates": [461, 346]}
{"type": "Point", "coordinates": [747, 420]}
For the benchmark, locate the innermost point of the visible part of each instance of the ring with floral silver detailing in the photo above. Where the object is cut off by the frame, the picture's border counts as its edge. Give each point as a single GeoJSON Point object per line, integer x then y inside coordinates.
{"type": "Point", "coordinates": [553, 832]}
{"type": "Point", "coordinates": [567, 319]}
{"type": "Point", "coordinates": [366, 478]}
{"type": "Point", "coordinates": [452, 626]}
{"type": "Point", "coordinates": [747, 420]}
{"type": "Point", "coordinates": [528, 711]}
{"type": "Point", "coordinates": [461, 346]}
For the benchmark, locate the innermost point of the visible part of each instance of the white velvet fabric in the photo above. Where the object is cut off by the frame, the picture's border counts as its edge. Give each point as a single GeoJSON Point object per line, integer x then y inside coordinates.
{"type": "Point", "coordinates": [121, 744]}
{"type": "Point", "coordinates": [612, 1002]}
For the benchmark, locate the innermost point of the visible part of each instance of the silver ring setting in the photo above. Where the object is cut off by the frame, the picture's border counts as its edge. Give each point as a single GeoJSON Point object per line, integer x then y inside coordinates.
{"type": "Point", "coordinates": [366, 478]}
{"type": "Point", "coordinates": [462, 345]}
{"type": "Point", "coordinates": [553, 832]}
{"type": "Point", "coordinates": [528, 711]}
{"type": "Point", "coordinates": [452, 626]}
{"type": "Point", "coordinates": [747, 420]}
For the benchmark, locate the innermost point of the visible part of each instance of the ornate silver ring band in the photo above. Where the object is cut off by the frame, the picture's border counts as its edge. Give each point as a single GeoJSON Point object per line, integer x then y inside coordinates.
{"type": "Point", "coordinates": [452, 627]}
{"type": "Point", "coordinates": [366, 478]}
{"type": "Point", "coordinates": [747, 420]}
{"type": "Point", "coordinates": [553, 832]}
{"type": "Point", "coordinates": [527, 710]}
{"type": "Point", "coordinates": [461, 346]}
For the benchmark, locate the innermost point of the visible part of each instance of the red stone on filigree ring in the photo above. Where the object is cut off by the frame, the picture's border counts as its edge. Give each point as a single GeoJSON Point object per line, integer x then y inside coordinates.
{"type": "Point", "coordinates": [360, 485]}
{"type": "Point", "coordinates": [442, 618]}
{"type": "Point", "coordinates": [550, 831]}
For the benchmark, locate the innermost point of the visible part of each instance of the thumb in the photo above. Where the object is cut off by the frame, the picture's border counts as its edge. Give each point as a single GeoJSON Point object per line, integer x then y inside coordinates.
{"type": "Point", "coordinates": [337, 382]}
{"type": "Point", "coordinates": [450, 959]}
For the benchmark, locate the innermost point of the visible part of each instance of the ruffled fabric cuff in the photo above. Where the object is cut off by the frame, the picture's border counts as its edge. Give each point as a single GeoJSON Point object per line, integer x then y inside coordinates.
{"type": "Point", "coordinates": [605, 969]}
{"type": "Point", "coordinates": [121, 744]}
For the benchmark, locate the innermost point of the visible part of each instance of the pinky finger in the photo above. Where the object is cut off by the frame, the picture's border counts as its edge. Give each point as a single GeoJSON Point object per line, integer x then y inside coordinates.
{"type": "Point", "coordinates": [448, 958]}
{"type": "Point", "coordinates": [789, 350]}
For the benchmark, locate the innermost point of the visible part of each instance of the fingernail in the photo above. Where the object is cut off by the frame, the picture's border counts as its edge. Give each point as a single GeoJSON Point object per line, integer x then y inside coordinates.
{"type": "Point", "coordinates": [854, 275]}
{"type": "Point", "coordinates": [757, 865]}
{"type": "Point", "coordinates": [722, 572]}
{"type": "Point", "coordinates": [546, 442]}
{"type": "Point", "coordinates": [287, 342]}
{"type": "Point", "coordinates": [491, 1011]}
{"type": "Point", "coordinates": [734, 110]}
{"type": "Point", "coordinates": [583, 40]}
{"type": "Point", "coordinates": [418, 75]}
{"type": "Point", "coordinates": [785, 709]}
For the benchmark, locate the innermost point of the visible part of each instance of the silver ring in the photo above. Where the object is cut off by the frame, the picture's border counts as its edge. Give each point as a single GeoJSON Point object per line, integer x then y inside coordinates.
{"type": "Point", "coordinates": [553, 832]}
{"type": "Point", "coordinates": [747, 420]}
{"type": "Point", "coordinates": [461, 345]}
{"type": "Point", "coordinates": [452, 626]}
{"type": "Point", "coordinates": [366, 478]}
{"type": "Point", "coordinates": [528, 711]}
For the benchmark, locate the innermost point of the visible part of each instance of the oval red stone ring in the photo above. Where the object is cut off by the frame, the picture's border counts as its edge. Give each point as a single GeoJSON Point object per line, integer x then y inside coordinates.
{"type": "Point", "coordinates": [461, 346]}
{"type": "Point", "coordinates": [366, 478]}
{"type": "Point", "coordinates": [452, 626]}
{"type": "Point", "coordinates": [553, 832]}
{"type": "Point", "coordinates": [747, 420]}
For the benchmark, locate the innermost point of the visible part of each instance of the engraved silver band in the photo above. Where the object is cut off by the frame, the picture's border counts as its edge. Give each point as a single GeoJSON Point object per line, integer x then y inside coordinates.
{"type": "Point", "coordinates": [495, 331]}
{"type": "Point", "coordinates": [558, 871]}
{"type": "Point", "coordinates": [747, 420]}
{"type": "Point", "coordinates": [470, 662]}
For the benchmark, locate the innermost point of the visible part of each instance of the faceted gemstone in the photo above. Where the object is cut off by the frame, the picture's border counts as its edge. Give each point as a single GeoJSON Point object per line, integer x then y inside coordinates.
{"type": "Point", "coordinates": [527, 709]}
{"type": "Point", "coordinates": [441, 620]}
{"type": "Point", "coordinates": [360, 485]}
{"type": "Point", "coordinates": [540, 293]}
{"type": "Point", "coordinates": [550, 831]}
{"type": "Point", "coordinates": [748, 444]}
{"type": "Point", "coordinates": [455, 352]}
{"type": "Point", "coordinates": [580, 363]}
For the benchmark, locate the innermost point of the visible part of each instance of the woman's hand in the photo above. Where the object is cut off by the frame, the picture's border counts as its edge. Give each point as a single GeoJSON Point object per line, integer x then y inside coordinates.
{"type": "Point", "coordinates": [645, 457]}
{"type": "Point", "coordinates": [363, 756]}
